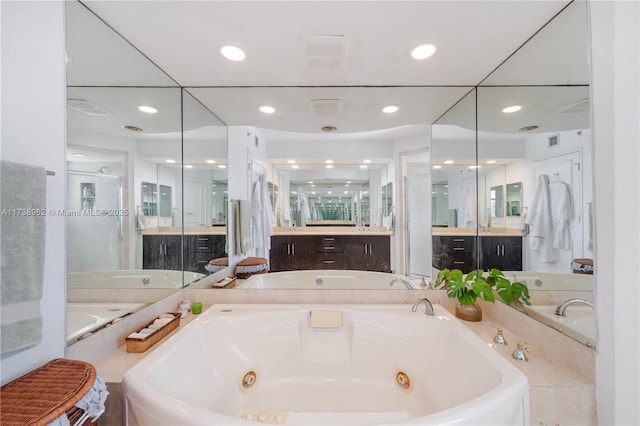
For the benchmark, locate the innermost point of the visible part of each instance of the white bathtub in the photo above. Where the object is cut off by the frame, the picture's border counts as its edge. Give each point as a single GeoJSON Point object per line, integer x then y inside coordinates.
{"type": "Point", "coordinates": [325, 279]}
{"type": "Point", "coordinates": [145, 278]}
{"type": "Point", "coordinates": [579, 322]}
{"type": "Point", "coordinates": [325, 376]}
{"type": "Point", "coordinates": [552, 280]}
{"type": "Point", "coordinates": [84, 318]}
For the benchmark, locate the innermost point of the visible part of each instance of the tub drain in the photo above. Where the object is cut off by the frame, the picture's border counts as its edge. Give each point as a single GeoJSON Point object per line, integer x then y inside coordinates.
{"type": "Point", "coordinates": [403, 380]}
{"type": "Point", "coordinates": [249, 379]}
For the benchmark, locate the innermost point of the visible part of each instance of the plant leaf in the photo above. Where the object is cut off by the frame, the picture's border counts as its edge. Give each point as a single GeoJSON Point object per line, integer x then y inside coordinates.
{"type": "Point", "coordinates": [482, 289]}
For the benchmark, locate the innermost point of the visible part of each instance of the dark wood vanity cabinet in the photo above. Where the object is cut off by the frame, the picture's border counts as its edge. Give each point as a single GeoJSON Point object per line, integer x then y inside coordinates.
{"type": "Point", "coordinates": [461, 252]}
{"type": "Point", "coordinates": [297, 252]}
{"type": "Point", "coordinates": [502, 252]}
{"type": "Point", "coordinates": [454, 252]}
{"type": "Point", "coordinates": [168, 251]}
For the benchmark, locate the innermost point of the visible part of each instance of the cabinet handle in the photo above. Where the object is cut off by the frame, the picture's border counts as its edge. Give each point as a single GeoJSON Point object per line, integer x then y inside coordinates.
{"type": "Point", "coordinates": [370, 249]}
{"type": "Point", "coordinates": [293, 249]}
{"type": "Point", "coordinates": [503, 249]}
{"type": "Point", "coordinates": [328, 262]}
{"type": "Point", "coordinates": [458, 240]}
{"type": "Point", "coordinates": [329, 247]}
{"type": "Point", "coordinates": [203, 247]}
{"type": "Point", "coordinates": [458, 263]}
{"type": "Point", "coordinates": [203, 239]}
{"type": "Point", "coordinates": [458, 249]}
{"type": "Point", "coordinates": [329, 239]}
{"type": "Point", "coordinates": [288, 249]}
{"type": "Point", "coordinates": [498, 250]}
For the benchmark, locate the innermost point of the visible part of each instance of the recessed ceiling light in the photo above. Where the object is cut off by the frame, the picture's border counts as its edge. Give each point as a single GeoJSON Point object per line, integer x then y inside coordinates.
{"type": "Point", "coordinates": [449, 162]}
{"type": "Point", "coordinates": [170, 161]}
{"type": "Point", "coordinates": [291, 161]}
{"type": "Point", "coordinates": [267, 109]}
{"type": "Point", "coordinates": [348, 181]}
{"type": "Point", "coordinates": [328, 161]}
{"type": "Point", "coordinates": [295, 166]}
{"type": "Point", "coordinates": [78, 154]}
{"type": "Point", "coordinates": [329, 166]}
{"type": "Point", "coordinates": [148, 109]}
{"type": "Point", "coordinates": [347, 185]}
{"type": "Point", "coordinates": [423, 51]}
{"type": "Point", "coordinates": [363, 166]}
{"type": "Point", "coordinates": [491, 161]}
{"type": "Point", "coordinates": [512, 108]}
{"type": "Point", "coordinates": [329, 192]}
{"type": "Point", "coordinates": [233, 53]}
{"type": "Point", "coordinates": [188, 166]}
{"type": "Point", "coordinates": [475, 166]}
{"type": "Point", "coordinates": [211, 161]}
{"type": "Point", "coordinates": [222, 166]}
{"type": "Point", "coordinates": [310, 182]}
{"type": "Point", "coordinates": [366, 161]}
{"type": "Point", "coordinates": [437, 166]}
{"type": "Point", "coordinates": [390, 109]}
{"type": "Point", "coordinates": [313, 185]}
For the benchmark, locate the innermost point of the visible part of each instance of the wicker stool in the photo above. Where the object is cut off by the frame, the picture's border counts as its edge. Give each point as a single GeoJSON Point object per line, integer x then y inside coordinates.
{"type": "Point", "coordinates": [216, 265]}
{"type": "Point", "coordinates": [251, 266]}
{"type": "Point", "coordinates": [44, 394]}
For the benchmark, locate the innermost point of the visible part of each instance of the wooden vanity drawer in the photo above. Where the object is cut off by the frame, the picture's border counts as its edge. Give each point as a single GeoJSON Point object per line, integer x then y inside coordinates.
{"type": "Point", "coordinates": [328, 244]}
{"type": "Point", "coordinates": [331, 261]}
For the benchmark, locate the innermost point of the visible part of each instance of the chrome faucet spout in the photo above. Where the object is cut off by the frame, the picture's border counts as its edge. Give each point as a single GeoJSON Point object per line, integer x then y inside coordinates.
{"type": "Point", "coordinates": [428, 307]}
{"type": "Point", "coordinates": [562, 308]}
{"type": "Point", "coordinates": [406, 283]}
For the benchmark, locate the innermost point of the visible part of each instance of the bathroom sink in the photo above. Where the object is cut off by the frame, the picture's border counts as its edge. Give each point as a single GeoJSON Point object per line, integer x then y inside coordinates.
{"type": "Point", "coordinates": [579, 324]}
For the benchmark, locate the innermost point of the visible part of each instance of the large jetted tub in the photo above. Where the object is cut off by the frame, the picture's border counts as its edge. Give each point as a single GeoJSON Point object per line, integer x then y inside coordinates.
{"type": "Point", "coordinates": [325, 279]}
{"type": "Point", "coordinates": [325, 365]}
{"type": "Point", "coordinates": [144, 278]}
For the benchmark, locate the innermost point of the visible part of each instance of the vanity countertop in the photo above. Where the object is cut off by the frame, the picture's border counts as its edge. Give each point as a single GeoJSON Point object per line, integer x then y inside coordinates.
{"type": "Point", "coordinates": [331, 230]}
{"type": "Point", "coordinates": [195, 230]}
{"type": "Point", "coordinates": [495, 232]}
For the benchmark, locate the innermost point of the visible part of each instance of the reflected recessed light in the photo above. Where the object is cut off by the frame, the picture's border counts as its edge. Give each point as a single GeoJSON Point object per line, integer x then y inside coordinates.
{"type": "Point", "coordinates": [366, 161]}
{"type": "Point", "coordinates": [313, 185]}
{"type": "Point", "coordinates": [423, 51]}
{"type": "Point", "coordinates": [512, 108]}
{"type": "Point", "coordinates": [449, 162]}
{"type": "Point", "coordinates": [346, 192]}
{"type": "Point", "coordinates": [294, 166]}
{"type": "Point", "coordinates": [233, 53]}
{"type": "Point", "coordinates": [475, 166]}
{"type": "Point", "coordinates": [313, 192]}
{"type": "Point", "coordinates": [437, 166]}
{"type": "Point", "coordinates": [211, 161]}
{"type": "Point", "coordinates": [346, 186]}
{"type": "Point", "coordinates": [363, 166]}
{"type": "Point", "coordinates": [329, 166]}
{"type": "Point", "coordinates": [188, 166]}
{"type": "Point", "coordinates": [491, 161]}
{"type": "Point", "coordinates": [348, 181]}
{"type": "Point", "coordinates": [328, 161]}
{"type": "Point", "coordinates": [148, 109]}
{"type": "Point", "coordinates": [78, 154]}
{"type": "Point", "coordinates": [267, 109]}
{"type": "Point", "coordinates": [170, 161]}
{"type": "Point", "coordinates": [329, 192]}
{"type": "Point", "coordinates": [310, 182]}
{"type": "Point", "coordinates": [291, 161]}
{"type": "Point", "coordinates": [390, 109]}
{"type": "Point", "coordinates": [222, 166]}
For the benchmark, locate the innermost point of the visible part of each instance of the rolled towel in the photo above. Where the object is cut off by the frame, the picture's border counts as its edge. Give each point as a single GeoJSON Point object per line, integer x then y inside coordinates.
{"type": "Point", "coordinates": [147, 330]}
{"type": "Point", "coordinates": [137, 336]}
{"type": "Point", "coordinates": [162, 321]}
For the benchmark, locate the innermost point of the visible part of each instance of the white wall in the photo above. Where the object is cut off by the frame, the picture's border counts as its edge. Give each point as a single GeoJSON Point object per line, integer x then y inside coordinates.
{"type": "Point", "coordinates": [615, 94]}
{"type": "Point", "coordinates": [33, 132]}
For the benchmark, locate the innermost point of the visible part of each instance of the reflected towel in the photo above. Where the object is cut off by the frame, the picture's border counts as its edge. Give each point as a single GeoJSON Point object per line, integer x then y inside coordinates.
{"type": "Point", "coordinates": [141, 220]}
{"type": "Point", "coordinates": [242, 226]}
{"type": "Point", "coordinates": [23, 198]}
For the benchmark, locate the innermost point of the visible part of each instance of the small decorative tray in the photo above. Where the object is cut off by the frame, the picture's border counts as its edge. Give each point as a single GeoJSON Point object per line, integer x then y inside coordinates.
{"type": "Point", "coordinates": [138, 342]}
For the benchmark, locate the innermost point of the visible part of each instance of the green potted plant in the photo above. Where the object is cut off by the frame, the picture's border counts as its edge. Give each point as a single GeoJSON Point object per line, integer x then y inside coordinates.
{"type": "Point", "coordinates": [479, 284]}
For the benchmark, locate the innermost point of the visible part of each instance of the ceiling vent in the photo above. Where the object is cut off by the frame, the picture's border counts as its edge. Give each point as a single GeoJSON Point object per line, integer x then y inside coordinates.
{"type": "Point", "coordinates": [86, 107]}
{"type": "Point", "coordinates": [577, 107]}
{"type": "Point", "coordinates": [326, 106]}
{"type": "Point", "coordinates": [323, 52]}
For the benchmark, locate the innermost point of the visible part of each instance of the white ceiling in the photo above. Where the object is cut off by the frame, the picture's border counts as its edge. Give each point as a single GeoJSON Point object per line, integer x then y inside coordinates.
{"type": "Point", "coordinates": [183, 38]}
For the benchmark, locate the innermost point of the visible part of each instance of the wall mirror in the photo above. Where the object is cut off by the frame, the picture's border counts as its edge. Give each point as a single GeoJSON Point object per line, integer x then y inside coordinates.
{"type": "Point", "coordinates": [547, 134]}
{"type": "Point", "coordinates": [126, 163]}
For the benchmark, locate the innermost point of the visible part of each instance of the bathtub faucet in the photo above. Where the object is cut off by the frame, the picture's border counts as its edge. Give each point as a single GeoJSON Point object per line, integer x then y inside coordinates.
{"type": "Point", "coordinates": [562, 308]}
{"type": "Point", "coordinates": [406, 283]}
{"type": "Point", "coordinates": [428, 307]}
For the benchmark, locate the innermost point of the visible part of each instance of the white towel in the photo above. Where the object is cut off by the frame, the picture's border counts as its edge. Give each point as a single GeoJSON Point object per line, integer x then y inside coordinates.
{"type": "Point", "coordinates": [23, 197]}
{"type": "Point", "coordinates": [242, 226]}
{"type": "Point", "coordinates": [540, 220]}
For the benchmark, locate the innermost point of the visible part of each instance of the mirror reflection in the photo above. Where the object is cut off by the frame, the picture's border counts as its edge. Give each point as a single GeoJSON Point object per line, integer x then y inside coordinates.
{"type": "Point", "coordinates": [126, 169]}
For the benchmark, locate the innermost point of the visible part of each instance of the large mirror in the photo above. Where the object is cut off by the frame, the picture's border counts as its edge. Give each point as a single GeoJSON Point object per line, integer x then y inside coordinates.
{"type": "Point", "coordinates": [542, 145]}
{"type": "Point", "coordinates": [142, 159]}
